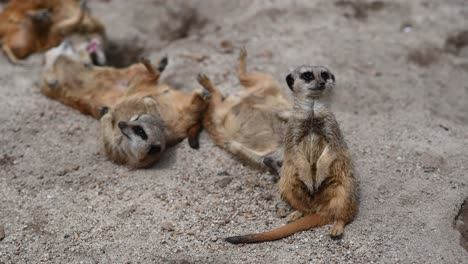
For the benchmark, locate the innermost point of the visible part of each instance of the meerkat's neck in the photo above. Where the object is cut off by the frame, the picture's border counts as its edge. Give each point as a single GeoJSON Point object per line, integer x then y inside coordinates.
{"type": "Point", "coordinates": [310, 107]}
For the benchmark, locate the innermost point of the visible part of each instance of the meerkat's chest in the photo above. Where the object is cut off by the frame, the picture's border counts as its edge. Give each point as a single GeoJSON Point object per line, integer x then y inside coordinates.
{"type": "Point", "coordinates": [312, 147]}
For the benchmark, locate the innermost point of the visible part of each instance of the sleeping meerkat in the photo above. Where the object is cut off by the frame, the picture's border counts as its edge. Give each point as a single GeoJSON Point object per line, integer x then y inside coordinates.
{"type": "Point", "coordinates": [139, 117]}
{"type": "Point", "coordinates": [69, 77]}
{"type": "Point", "coordinates": [28, 26]}
{"type": "Point", "coordinates": [317, 176]}
{"type": "Point", "coordinates": [149, 119]}
{"type": "Point", "coordinates": [247, 124]}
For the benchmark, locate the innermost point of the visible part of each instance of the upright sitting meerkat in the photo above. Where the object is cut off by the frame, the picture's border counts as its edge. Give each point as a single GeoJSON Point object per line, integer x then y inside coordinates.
{"type": "Point", "coordinates": [28, 26]}
{"type": "Point", "coordinates": [139, 118]}
{"type": "Point", "coordinates": [317, 176]}
{"type": "Point", "coordinates": [248, 124]}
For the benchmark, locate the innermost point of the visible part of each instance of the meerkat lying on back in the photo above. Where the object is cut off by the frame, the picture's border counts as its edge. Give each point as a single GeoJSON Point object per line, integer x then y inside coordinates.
{"type": "Point", "coordinates": [317, 176]}
{"type": "Point", "coordinates": [140, 118]}
{"type": "Point", "coordinates": [247, 124]}
{"type": "Point", "coordinates": [28, 26]}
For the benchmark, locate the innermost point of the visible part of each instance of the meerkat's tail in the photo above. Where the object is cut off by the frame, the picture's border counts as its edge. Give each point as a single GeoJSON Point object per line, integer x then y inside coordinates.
{"type": "Point", "coordinates": [305, 223]}
{"type": "Point", "coordinates": [209, 122]}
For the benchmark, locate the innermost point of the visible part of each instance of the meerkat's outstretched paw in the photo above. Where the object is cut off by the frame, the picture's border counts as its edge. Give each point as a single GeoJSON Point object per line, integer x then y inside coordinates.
{"type": "Point", "coordinates": [294, 216]}
{"type": "Point", "coordinates": [337, 229]}
{"type": "Point", "coordinates": [205, 81]}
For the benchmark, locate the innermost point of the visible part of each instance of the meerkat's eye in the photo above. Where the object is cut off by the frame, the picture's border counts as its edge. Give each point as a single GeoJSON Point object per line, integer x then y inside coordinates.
{"type": "Point", "coordinates": [140, 132]}
{"type": "Point", "coordinates": [325, 76]}
{"type": "Point", "coordinates": [308, 76]}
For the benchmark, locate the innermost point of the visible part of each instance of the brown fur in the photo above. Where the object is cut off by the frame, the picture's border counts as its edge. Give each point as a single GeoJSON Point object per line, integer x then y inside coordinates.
{"type": "Point", "coordinates": [247, 124]}
{"type": "Point", "coordinates": [134, 99]}
{"type": "Point", "coordinates": [317, 177]}
{"type": "Point", "coordinates": [29, 26]}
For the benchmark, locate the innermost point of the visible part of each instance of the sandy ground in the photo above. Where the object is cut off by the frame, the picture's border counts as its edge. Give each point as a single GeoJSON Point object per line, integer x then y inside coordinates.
{"type": "Point", "coordinates": [402, 102]}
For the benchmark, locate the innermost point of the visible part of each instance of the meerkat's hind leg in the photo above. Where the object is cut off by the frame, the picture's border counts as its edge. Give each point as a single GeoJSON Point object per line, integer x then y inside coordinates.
{"type": "Point", "coordinates": [248, 79]}
{"type": "Point", "coordinates": [251, 155]}
{"type": "Point", "coordinates": [10, 55]}
{"type": "Point", "coordinates": [337, 229]}
{"type": "Point", "coordinates": [148, 65]}
{"type": "Point", "coordinates": [294, 216]}
{"type": "Point", "coordinates": [214, 93]}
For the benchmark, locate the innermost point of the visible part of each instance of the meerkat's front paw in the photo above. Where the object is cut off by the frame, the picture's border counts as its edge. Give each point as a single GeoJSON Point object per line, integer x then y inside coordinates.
{"type": "Point", "coordinates": [337, 230]}
{"type": "Point", "coordinates": [203, 80]}
{"type": "Point", "coordinates": [294, 216]}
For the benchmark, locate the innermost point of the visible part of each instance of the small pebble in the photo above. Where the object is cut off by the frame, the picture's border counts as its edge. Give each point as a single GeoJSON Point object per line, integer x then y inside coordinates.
{"type": "Point", "coordinates": [223, 182]}
{"type": "Point", "coordinates": [167, 226]}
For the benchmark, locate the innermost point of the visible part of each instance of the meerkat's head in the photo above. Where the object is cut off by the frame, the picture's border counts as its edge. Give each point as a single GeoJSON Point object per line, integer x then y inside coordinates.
{"type": "Point", "coordinates": [140, 141]}
{"type": "Point", "coordinates": [310, 81]}
{"type": "Point", "coordinates": [90, 51]}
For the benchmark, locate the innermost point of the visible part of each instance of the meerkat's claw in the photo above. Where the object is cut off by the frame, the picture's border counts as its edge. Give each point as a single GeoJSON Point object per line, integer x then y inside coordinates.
{"type": "Point", "coordinates": [202, 79]}
{"type": "Point", "coordinates": [294, 216]}
{"type": "Point", "coordinates": [163, 63]}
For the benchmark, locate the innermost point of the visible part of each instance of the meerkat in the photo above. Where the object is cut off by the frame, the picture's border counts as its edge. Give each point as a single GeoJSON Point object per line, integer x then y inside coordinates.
{"type": "Point", "coordinates": [317, 176]}
{"type": "Point", "coordinates": [69, 77]}
{"type": "Point", "coordinates": [28, 26]}
{"type": "Point", "coordinates": [139, 118]}
{"type": "Point", "coordinates": [248, 124]}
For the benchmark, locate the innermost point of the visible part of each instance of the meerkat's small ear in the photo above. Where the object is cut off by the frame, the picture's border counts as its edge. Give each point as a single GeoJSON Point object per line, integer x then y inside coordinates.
{"type": "Point", "coordinates": [290, 82]}
{"type": "Point", "coordinates": [332, 77]}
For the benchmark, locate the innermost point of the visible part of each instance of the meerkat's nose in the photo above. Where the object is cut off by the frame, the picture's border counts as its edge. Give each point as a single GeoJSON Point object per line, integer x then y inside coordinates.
{"type": "Point", "coordinates": [122, 124]}
{"type": "Point", "coordinates": [321, 83]}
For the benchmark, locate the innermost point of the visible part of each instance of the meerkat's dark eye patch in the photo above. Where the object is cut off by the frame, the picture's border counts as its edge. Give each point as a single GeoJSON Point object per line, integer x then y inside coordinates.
{"type": "Point", "coordinates": [154, 149]}
{"type": "Point", "coordinates": [325, 76]}
{"type": "Point", "coordinates": [307, 76]}
{"type": "Point", "coordinates": [290, 81]}
{"type": "Point", "coordinates": [140, 132]}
